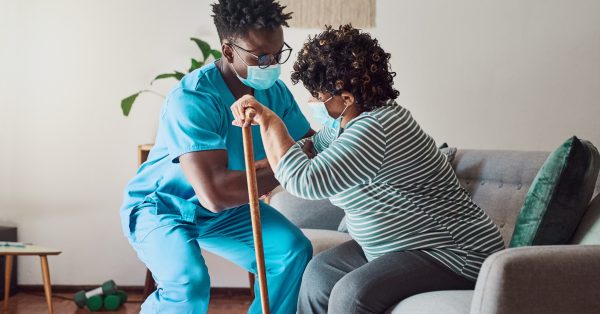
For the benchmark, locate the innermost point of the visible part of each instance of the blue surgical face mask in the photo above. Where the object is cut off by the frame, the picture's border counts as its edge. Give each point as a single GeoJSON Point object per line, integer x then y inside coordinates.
{"type": "Point", "coordinates": [258, 78]}
{"type": "Point", "coordinates": [322, 115]}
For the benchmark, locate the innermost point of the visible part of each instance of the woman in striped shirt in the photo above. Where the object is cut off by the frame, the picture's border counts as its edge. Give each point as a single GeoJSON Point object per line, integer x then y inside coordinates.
{"type": "Point", "coordinates": [414, 228]}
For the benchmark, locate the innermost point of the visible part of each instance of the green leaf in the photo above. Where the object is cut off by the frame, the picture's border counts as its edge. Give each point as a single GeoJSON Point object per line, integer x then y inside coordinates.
{"type": "Point", "coordinates": [179, 75]}
{"type": "Point", "coordinates": [216, 53]}
{"type": "Point", "coordinates": [176, 75]}
{"type": "Point", "coordinates": [204, 47]}
{"type": "Point", "coordinates": [195, 64]}
{"type": "Point", "coordinates": [126, 103]}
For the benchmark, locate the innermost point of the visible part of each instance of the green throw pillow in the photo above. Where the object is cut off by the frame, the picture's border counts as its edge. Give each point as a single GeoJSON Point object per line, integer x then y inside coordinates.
{"type": "Point", "coordinates": [558, 196]}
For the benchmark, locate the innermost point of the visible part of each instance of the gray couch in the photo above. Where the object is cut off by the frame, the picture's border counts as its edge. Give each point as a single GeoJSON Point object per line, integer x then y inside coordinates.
{"type": "Point", "coordinates": [542, 279]}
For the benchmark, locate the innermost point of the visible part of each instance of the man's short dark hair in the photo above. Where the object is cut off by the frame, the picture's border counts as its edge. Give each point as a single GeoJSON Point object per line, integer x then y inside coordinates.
{"type": "Point", "coordinates": [234, 18]}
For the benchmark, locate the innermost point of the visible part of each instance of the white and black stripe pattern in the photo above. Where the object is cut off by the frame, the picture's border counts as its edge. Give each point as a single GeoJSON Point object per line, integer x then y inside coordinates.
{"type": "Point", "coordinates": [397, 189]}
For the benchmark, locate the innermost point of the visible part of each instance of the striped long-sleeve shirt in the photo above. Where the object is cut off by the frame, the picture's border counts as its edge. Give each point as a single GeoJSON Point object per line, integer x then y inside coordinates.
{"type": "Point", "coordinates": [398, 190]}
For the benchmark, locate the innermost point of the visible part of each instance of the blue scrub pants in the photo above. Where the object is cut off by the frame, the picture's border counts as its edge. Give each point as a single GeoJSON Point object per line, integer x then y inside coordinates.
{"type": "Point", "coordinates": [170, 244]}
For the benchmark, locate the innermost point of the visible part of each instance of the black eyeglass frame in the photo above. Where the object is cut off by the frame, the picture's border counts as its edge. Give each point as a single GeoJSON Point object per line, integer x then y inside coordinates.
{"type": "Point", "coordinates": [266, 60]}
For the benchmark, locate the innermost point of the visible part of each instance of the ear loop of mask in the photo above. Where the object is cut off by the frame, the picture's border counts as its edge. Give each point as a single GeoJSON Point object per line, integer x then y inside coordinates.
{"type": "Point", "coordinates": [233, 67]}
{"type": "Point", "coordinates": [341, 129]}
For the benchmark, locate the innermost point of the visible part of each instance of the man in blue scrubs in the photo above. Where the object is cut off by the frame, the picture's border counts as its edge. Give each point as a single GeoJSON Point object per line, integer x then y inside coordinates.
{"type": "Point", "coordinates": [191, 194]}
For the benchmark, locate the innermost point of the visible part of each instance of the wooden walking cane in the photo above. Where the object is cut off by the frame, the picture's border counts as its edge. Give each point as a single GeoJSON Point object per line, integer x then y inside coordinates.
{"type": "Point", "coordinates": [255, 209]}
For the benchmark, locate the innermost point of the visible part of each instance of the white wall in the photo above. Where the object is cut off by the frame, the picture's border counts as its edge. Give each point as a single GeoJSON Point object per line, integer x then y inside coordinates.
{"type": "Point", "coordinates": [497, 74]}
{"type": "Point", "coordinates": [7, 102]}
{"type": "Point", "coordinates": [478, 74]}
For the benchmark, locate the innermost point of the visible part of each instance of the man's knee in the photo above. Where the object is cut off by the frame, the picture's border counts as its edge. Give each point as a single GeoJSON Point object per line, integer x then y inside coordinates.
{"type": "Point", "coordinates": [298, 249]}
{"type": "Point", "coordinates": [305, 249]}
{"type": "Point", "coordinates": [193, 286]}
{"type": "Point", "coordinates": [291, 242]}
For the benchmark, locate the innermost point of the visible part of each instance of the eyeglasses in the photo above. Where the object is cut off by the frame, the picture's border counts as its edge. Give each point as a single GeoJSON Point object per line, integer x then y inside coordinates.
{"type": "Point", "coordinates": [264, 61]}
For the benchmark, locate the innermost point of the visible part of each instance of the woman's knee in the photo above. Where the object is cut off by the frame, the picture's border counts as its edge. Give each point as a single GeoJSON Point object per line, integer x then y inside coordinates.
{"type": "Point", "coordinates": [314, 270]}
{"type": "Point", "coordinates": [317, 276]}
{"type": "Point", "coordinates": [349, 295]}
{"type": "Point", "coordinates": [315, 287]}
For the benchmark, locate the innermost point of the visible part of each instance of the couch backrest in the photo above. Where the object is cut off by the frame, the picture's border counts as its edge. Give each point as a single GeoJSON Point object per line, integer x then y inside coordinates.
{"type": "Point", "coordinates": [499, 180]}
{"type": "Point", "coordinates": [307, 214]}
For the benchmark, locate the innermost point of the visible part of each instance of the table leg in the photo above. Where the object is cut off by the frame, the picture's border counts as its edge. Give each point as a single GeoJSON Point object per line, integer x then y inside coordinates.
{"type": "Point", "coordinates": [149, 284]}
{"type": "Point", "coordinates": [47, 284]}
{"type": "Point", "coordinates": [7, 273]}
{"type": "Point", "coordinates": [251, 280]}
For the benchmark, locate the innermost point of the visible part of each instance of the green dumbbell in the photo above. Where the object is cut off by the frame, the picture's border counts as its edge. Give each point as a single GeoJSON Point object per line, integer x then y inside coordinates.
{"type": "Point", "coordinates": [81, 298]}
{"type": "Point", "coordinates": [115, 300]}
{"type": "Point", "coordinates": [94, 303]}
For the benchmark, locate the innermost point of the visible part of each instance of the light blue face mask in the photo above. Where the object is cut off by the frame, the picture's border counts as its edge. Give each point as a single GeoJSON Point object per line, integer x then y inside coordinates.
{"type": "Point", "coordinates": [320, 113]}
{"type": "Point", "coordinates": [258, 78]}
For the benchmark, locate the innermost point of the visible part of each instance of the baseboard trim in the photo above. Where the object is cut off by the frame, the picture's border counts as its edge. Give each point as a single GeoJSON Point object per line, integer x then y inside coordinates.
{"type": "Point", "coordinates": [214, 291]}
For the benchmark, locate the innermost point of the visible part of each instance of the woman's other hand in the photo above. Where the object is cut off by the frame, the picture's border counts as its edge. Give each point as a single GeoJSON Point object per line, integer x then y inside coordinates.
{"type": "Point", "coordinates": [262, 164]}
{"type": "Point", "coordinates": [309, 149]}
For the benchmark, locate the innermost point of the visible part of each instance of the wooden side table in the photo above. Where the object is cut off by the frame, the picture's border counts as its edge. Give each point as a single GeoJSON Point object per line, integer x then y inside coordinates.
{"type": "Point", "coordinates": [10, 252]}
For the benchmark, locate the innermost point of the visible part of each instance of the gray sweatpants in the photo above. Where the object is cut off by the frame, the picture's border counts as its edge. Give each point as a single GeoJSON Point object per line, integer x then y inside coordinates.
{"type": "Point", "coordinates": [341, 281]}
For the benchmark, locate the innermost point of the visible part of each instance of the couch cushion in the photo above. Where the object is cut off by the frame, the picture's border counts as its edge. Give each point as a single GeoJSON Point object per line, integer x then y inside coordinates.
{"type": "Point", "coordinates": [497, 181]}
{"type": "Point", "coordinates": [588, 231]}
{"type": "Point", "coordinates": [306, 214]}
{"type": "Point", "coordinates": [325, 239]}
{"type": "Point", "coordinates": [597, 188]}
{"type": "Point", "coordinates": [343, 227]}
{"type": "Point", "coordinates": [437, 302]}
{"type": "Point", "coordinates": [559, 195]}
{"type": "Point", "coordinates": [449, 152]}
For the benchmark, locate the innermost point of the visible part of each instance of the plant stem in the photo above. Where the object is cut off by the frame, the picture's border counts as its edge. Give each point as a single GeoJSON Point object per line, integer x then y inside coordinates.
{"type": "Point", "coordinates": [152, 92]}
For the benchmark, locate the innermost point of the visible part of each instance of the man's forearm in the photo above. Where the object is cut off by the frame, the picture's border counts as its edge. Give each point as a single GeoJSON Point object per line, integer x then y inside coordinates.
{"type": "Point", "coordinates": [233, 187]}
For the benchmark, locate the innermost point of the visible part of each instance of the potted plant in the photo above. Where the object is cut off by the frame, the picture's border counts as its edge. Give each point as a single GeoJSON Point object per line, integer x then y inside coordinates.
{"type": "Point", "coordinates": [207, 53]}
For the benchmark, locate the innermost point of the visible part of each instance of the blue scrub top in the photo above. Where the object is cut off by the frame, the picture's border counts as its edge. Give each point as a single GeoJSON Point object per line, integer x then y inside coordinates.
{"type": "Point", "coordinates": [196, 116]}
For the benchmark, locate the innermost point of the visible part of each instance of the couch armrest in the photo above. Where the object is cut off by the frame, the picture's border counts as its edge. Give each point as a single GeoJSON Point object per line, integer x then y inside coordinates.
{"type": "Point", "coordinates": [307, 214]}
{"type": "Point", "coordinates": [540, 279]}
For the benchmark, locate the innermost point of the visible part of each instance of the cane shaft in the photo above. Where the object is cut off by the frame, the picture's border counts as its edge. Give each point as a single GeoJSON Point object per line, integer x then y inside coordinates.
{"type": "Point", "coordinates": [255, 213]}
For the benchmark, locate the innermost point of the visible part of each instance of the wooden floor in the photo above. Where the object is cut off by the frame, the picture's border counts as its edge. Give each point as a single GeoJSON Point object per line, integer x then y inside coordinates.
{"type": "Point", "coordinates": [33, 303]}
